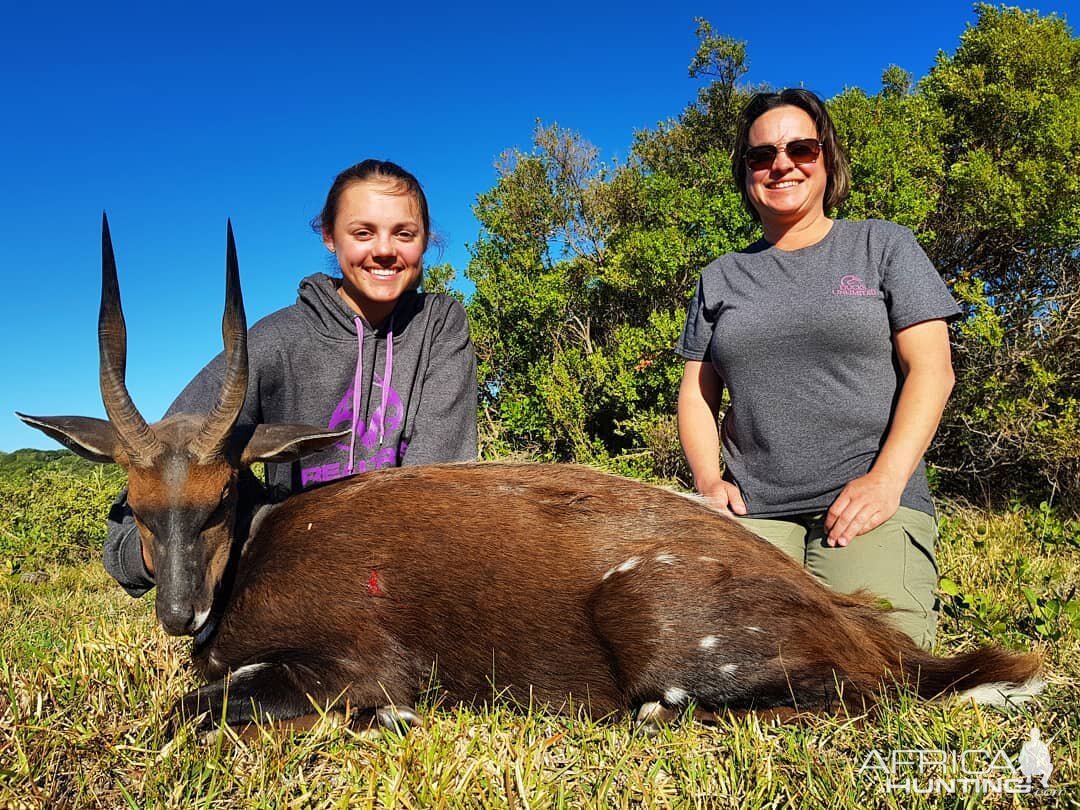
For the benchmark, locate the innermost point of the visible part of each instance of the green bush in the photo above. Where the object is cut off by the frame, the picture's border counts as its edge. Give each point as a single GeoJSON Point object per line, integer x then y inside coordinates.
{"type": "Point", "coordinates": [583, 269]}
{"type": "Point", "coordinates": [54, 510]}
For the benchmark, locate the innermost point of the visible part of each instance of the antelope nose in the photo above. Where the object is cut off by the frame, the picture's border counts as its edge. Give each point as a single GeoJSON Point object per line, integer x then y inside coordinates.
{"type": "Point", "coordinates": [176, 618]}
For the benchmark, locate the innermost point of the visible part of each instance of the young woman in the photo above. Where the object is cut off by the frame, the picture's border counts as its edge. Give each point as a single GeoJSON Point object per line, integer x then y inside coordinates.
{"type": "Point", "coordinates": [365, 351]}
{"type": "Point", "coordinates": [830, 336]}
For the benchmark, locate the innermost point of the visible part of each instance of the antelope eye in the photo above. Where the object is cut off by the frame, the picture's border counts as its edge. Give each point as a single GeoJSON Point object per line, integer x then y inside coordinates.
{"type": "Point", "coordinates": [219, 513]}
{"type": "Point", "coordinates": [140, 524]}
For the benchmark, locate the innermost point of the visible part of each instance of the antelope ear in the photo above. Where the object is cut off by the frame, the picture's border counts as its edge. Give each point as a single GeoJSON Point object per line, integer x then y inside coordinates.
{"type": "Point", "coordinates": [93, 439]}
{"type": "Point", "coordinates": [283, 442]}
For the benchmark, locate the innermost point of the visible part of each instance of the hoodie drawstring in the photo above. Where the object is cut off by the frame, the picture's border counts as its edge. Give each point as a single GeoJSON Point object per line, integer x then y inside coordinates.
{"type": "Point", "coordinates": [388, 369]}
{"type": "Point", "coordinates": [358, 377]}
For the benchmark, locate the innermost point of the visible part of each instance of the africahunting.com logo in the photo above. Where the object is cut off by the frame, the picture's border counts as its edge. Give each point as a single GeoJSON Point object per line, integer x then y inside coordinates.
{"type": "Point", "coordinates": [925, 771]}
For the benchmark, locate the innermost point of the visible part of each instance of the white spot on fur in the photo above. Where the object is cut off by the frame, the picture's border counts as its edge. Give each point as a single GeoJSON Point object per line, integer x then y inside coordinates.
{"type": "Point", "coordinates": [729, 669]}
{"type": "Point", "coordinates": [623, 567]}
{"type": "Point", "coordinates": [200, 619]}
{"type": "Point", "coordinates": [666, 559]}
{"type": "Point", "coordinates": [1003, 694]}
{"type": "Point", "coordinates": [708, 642]}
{"type": "Point", "coordinates": [206, 630]}
{"type": "Point", "coordinates": [247, 669]}
{"type": "Point", "coordinates": [309, 527]}
{"type": "Point", "coordinates": [674, 695]}
{"type": "Point", "coordinates": [707, 559]}
{"type": "Point", "coordinates": [754, 629]}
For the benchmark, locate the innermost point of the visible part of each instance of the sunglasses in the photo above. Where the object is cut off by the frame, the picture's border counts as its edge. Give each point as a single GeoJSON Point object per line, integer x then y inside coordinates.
{"type": "Point", "coordinates": [803, 150]}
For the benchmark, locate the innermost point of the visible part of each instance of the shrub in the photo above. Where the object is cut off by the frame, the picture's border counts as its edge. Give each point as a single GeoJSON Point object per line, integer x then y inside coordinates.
{"type": "Point", "coordinates": [54, 512]}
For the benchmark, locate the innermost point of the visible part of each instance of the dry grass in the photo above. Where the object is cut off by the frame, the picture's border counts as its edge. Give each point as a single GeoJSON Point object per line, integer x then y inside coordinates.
{"type": "Point", "coordinates": [86, 679]}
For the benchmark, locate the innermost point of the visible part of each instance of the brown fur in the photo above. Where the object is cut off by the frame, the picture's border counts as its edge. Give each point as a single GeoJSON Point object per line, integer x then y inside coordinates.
{"type": "Point", "coordinates": [491, 578]}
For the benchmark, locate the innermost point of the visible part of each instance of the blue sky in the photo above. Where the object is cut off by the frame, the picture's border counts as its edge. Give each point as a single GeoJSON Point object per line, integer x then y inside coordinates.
{"type": "Point", "coordinates": [173, 117]}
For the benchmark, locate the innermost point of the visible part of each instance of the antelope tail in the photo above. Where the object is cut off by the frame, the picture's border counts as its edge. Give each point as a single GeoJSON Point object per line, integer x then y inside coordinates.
{"type": "Point", "coordinates": [990, 675]}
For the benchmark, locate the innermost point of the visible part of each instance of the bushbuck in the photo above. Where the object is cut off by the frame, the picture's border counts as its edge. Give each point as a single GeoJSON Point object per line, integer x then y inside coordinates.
{"type": "Point", "coordinates": [549, 585]}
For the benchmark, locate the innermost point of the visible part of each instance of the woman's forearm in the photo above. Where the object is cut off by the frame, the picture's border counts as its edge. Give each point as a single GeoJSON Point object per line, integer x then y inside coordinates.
{"type": "Point", "coordinates": [699, 404]}
{"type": "Point", "coordinates": [925, 359]}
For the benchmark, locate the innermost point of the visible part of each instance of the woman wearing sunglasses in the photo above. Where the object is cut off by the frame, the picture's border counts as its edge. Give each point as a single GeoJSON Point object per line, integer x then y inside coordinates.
{"type": "Point", "coordinates": [830, 337]}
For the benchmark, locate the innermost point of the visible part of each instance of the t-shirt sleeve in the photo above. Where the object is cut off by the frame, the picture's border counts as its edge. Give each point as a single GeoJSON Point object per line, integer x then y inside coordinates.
{"type": "Point", "coordinates": [698, 331]}
{"type": "Point", "coordinates": [914, 291]}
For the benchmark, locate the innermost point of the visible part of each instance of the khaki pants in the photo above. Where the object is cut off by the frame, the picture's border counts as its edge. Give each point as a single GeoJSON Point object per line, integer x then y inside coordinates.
{"type": "Point", "coordinates": [895, 562]}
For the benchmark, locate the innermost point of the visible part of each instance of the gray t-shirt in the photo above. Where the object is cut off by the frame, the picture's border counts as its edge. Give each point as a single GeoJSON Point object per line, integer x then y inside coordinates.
{"type": "Point", "coordinates": [803, 341]}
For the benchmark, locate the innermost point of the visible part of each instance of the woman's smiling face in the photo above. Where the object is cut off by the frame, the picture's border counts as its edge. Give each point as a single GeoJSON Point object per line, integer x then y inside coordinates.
{"type": "Point", "coordinates": [786, 193]}
{"type": "Point", "coordinates": [379, 241]}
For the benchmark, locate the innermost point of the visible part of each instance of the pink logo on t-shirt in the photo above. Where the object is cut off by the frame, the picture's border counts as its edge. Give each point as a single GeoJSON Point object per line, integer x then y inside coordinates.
{"type": "Point", "coordinates": [853, 285]}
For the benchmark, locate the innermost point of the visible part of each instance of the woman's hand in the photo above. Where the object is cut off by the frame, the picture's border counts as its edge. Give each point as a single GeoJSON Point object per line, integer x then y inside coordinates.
{"type": "Point", "coordinates": [864, 504]}
{"type": "Point", "coordinates": [724, 497]}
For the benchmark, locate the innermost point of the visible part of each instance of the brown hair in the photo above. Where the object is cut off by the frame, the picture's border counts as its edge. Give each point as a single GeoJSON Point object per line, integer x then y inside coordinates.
{"type": "Point", "coordinates": [838, 174]}
{"type": "Point", "coordinates": [372, 170]}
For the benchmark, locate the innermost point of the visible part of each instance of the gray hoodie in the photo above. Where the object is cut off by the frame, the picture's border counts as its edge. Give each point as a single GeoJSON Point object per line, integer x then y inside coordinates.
{"type": "Point", "coordinates": [303, 363]}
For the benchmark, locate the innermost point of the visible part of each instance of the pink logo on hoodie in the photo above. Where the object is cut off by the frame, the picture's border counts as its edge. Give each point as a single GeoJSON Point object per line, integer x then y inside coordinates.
{"type": "Point", "coordinates": [367, 437]}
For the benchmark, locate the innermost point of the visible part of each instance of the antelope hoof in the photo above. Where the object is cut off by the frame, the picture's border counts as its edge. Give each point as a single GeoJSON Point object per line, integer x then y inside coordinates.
{"type": "Point", "coordinates": [649, 718]}
{"type": "Point", "coordinates": [398, 718]}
